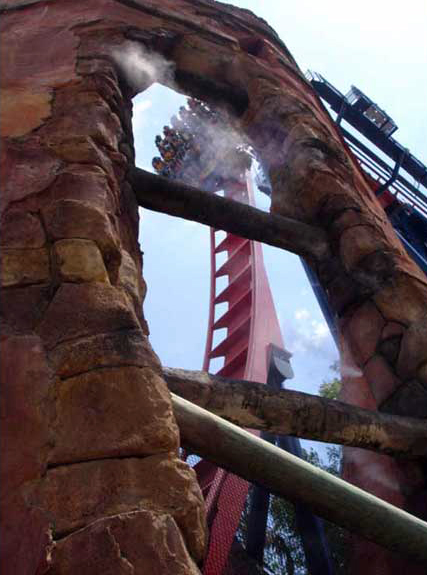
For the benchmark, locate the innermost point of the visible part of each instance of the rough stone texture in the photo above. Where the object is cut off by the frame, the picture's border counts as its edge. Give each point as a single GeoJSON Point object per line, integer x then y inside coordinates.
{"type": "Point", "coordinates": [20, 229]}
{"type": "Point", "coordinates": [24, 440]}
{"type": "Point", "coordinates": [356, 243]}
{"type": "Point", "coordinates": [24, 267]}
{"type": "Point", "coordinates": [79, 261]}
{"type": "Point", "coordinates": [76, 219]}
{"type": "Point", "coordinates": [114, 545]}
{"type": "Point", "coordinates": [411, 395]}
{"type": "Point", "coordinates": [84, 183]}
{"type": "Point", "coordinates": [355, 388]}
{"type": "Point", "coordinates": [112, 412]}
{"type": "Point", "coordinates": [81, 310]}
{"type": "Point", "coordinates": [368, 277]}
{"type": "Point", "coordinates": [392, 329]}
{"type": "Point", "coordinates": [36, 107]}
{"type": "Point", "coordinates": [413, 349]}
{"type": "Point", "coordinates": [75, 495]}
{"type": "Point", "coordinates": [26, 170]}
{"type": "Point", "coordinates": [130, 278]}
{"type": "Point", "coordinates": [363, 331]}
{"type": "Point", "coordinates": [65, 156]}
{"type": "Point", "coordinates": [381, 378]}
{"type": "Point", "coordinates": [124, 347]}
{"type": "Point", "coordinates": [23, 307]}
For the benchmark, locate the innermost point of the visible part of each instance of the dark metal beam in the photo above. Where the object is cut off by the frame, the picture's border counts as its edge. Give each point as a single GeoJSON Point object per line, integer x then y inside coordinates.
{"type": "Point", "coordinates": [385, 143]}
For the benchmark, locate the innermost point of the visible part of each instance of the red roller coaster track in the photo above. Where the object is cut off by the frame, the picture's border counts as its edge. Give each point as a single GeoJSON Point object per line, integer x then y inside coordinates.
{"type": "Point", "coordinates": [251, 323]}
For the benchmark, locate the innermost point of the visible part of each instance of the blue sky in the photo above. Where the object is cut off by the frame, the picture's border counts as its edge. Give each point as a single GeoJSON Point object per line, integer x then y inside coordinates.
{"type": "Point", "coordinates": [381, 48]}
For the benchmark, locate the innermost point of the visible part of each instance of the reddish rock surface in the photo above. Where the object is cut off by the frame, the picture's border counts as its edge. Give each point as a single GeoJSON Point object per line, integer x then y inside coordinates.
{"type": "Point", "coordinates": [78, 364]}
{"type": "Point", "coordinates": [112, 412]}
{"type": "Point", "coordinates": [75, 495]}
{"type": "Point", "coordinates": [25, 436]}
{"type": "Point", "coordinates": [114, 545]}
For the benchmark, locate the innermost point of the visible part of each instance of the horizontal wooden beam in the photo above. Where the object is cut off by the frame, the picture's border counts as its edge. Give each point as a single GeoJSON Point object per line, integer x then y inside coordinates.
{"type": "Point", "coordinates": [258, 461]}
{"type": "Point", "coordinates": [177, 199]}
{"type": "Point", "coordinates": [253, 405]}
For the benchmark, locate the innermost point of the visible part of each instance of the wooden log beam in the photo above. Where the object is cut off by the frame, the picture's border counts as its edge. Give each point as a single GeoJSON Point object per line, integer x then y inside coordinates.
{"type": "Point", "coordinates": [258, 461]}
{"type": "Point", "coordinates": [254, 405]}
{"type": "Point", "coordinates": [177, 199]}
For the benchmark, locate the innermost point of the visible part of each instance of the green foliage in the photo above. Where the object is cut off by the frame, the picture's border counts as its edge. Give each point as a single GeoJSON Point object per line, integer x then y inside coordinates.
{"type": "Point", "coordinates": [330, 389]}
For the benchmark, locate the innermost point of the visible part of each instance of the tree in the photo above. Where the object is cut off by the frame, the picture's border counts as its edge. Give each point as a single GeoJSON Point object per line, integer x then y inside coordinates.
{"type": "Point", "coordinates": [330, 389]}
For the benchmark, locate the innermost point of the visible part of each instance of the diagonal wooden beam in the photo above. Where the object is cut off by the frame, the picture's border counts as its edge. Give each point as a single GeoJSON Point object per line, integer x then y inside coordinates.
{"type": "Point", "coordinates": [253, 405]}
{"type": "Point", "coordinates": [280, 472]}
{"type": "Point", "coordinates": [177, 199]}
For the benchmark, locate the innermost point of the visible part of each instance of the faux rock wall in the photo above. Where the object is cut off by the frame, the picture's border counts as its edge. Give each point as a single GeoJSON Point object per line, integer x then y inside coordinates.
{"type": "Point", "coordinates": [90, 475]}
{"type": "Point", "coordinates": [91, 481]}
{"type": "Point", "coordinates": [378, 295]}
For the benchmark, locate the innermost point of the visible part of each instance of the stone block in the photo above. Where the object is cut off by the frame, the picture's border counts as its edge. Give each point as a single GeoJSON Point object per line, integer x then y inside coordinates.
{"type": "Point", "coordinates": [342, 291]}
{"type": "Point", "coordinates": [26, 410]}
{"type": "Point", "coordinates": [83, 114]}
{"type": "Point", "coordinates": [70, 219]}
{"type": "Point", "coordinates": [23, 307]}
{"type": "Point", "coordinates": [392, 329]}
{"type": "Point", "coordinates": [114, 545]}
{"type": "Point", "coordinates": [76, 495]}
{"type": "Point", "coordinates": [119, 348]}
{"type": "Point", "coordinates": [23, 110]}
{"type": "Point", "coordinates": [20, 229]}
{"type": "Point", "coordinates": [26, 170]}
{"type": "Point", "coordinates": [32, 59]}
{"type": "Point", "coordinates": [81, 310]}
{"type": "Point", "coordinates": [364, 330]}
{"type": "Point", "coordinates": [26, 542]}
{"type": "Point", "coordinates": [376, 473]}
{"type": "Point", "coordinates": [410, 399]}
{"type": "Point", "coordinates": [347, 218]}
{"type": "Point", "coordinates": [358, 392]}
{"type": "Point", "coordinates": [381, 378]}
{"type": "Point", "coordinates": [79, 261]}
{"type": "Point", "coordinates": [390, 349]}
{"type": "Point", "coordinates": [113, 412]}
{"type": "Point", "coordinates": [356, 243]}
{"type": "Point", "coordinates": [87, 184]}
{"type": "Point", "coordinates": [82, 149]}
{"type": "Point", "coordinates": [374, 271]}
{"type": "Point", "coordinates": [391, 338]}
{"type": "Point", "coordinates": [411, 295]}
{"type": "Point", "coordinates": [24, 267]}
{"type": "Point", "coordinates": [26, 414]}
{"type": "Point", "coordinates": [413, 349]}
{"type": "Point", "coordinates": [355, 389]}
{"type": "Point", "coordinates": [336, 206]}
{"type": "Point", "coordinates": [130, 278]}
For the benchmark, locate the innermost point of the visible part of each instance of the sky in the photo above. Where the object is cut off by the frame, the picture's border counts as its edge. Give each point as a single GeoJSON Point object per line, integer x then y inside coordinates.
{"type": "Point", "coordinates": [378, 46]}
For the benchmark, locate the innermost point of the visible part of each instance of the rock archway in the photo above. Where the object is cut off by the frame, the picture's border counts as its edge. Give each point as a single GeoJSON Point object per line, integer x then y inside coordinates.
{"type": "Point", "coordinates": [90, 442]}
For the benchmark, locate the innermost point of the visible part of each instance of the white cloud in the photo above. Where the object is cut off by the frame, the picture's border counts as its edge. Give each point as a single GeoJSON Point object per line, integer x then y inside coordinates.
{"type": "Point", "coordinates": [139, 113]}
{"type": "Point", "coordinates": [142, 105]}
{"type": "Point", "coordinates": [309, 334]}
{"type": "Point", "coordinates": [302, 314]}
{"type": "Point", "coordinates": [320, 330]}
